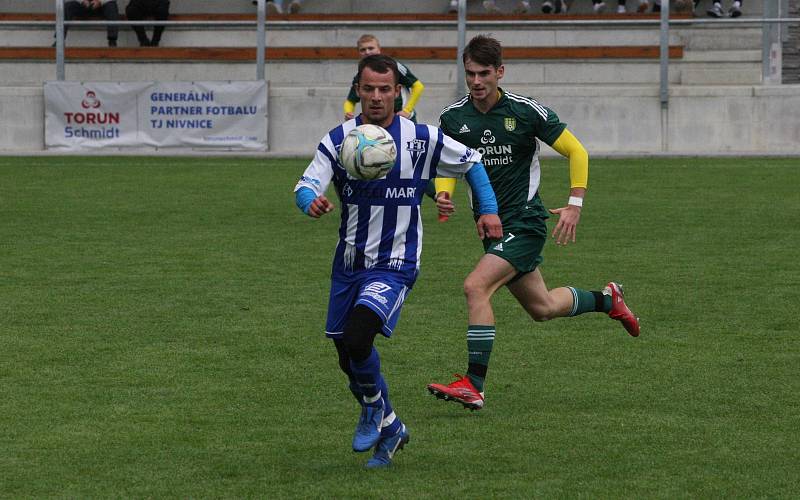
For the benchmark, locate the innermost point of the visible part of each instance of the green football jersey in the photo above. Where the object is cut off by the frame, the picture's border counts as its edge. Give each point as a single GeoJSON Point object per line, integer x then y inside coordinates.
{"type": "Point", "coordinates": [507, 137]}
{"type": "Point", "coordinates": [407, 79]}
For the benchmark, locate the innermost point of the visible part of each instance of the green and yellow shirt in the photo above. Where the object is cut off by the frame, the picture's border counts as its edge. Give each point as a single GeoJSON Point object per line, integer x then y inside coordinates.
{"type": "Point", "coordinates": [507, 137]}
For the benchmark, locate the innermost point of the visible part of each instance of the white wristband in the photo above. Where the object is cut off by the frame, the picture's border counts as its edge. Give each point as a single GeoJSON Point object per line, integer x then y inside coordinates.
{"type": "Point", "coordinates": [575, 200]}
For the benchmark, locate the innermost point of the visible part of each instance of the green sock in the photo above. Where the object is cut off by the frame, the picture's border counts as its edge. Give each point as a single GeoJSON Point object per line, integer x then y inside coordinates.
{"type": "Point", "coordinates": [584, 301]}
{"type": "Point", "coordinates": [479, 346]}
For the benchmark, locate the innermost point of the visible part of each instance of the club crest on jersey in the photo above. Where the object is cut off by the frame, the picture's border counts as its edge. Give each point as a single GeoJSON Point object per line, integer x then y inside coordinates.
{"type": "Point", "coordinates": [510, 123]}
{"type": "Point", "coordinates": [416, 147]}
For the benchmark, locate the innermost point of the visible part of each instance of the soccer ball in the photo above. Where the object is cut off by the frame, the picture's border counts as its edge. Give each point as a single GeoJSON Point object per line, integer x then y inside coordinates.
{"type": "Point", "coordinates": [368, 152]}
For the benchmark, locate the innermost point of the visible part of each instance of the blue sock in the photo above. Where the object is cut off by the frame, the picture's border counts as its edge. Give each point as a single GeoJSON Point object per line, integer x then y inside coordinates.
{"type": "Point", "coordinates": [372, 387]}
{"type": "Point", "coordinates": [356, 390]}
{"type": "Point", "coordinates": [391, 423]}
{"type": "Point", "coordinates": [367, 374]}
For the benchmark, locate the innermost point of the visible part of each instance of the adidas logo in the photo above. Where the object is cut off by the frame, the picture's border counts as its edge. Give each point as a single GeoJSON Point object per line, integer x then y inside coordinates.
{"type": "Point", "coordinates": [464, 129]}
{"type": "Point", "coordinates": [499, 247]}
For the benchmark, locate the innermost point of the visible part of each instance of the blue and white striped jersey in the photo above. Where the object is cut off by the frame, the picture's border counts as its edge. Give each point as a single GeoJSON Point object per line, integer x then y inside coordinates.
{"type": "Point", "coordinates": [381, 226]}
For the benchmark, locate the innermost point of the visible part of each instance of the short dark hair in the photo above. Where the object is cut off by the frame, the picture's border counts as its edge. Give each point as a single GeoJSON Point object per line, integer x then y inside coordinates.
{"type": "Point", "coordinates": [380, 64]}
{"type": "Point", "coordinates": [484, 50]}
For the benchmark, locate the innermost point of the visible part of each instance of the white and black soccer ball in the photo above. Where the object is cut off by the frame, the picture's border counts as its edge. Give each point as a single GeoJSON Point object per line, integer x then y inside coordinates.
{"type": "Point", "coordinates": [368, 152]}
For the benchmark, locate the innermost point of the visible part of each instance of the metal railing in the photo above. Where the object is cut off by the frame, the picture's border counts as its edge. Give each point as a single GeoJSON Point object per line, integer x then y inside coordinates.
{"type": "Point", "coordinates": [260, 24]}
{"type": "Point", "coordinates": [771, 40]}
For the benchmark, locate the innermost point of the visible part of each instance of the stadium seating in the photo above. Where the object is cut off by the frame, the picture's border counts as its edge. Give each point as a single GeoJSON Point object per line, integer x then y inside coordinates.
{"type": "Point", "coordinates": [325, 53]}
{"type": "Point", "coordinates": [345, 6]}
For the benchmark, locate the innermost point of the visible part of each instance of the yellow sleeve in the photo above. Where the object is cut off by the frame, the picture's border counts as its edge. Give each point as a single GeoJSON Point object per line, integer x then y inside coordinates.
{"type": "Point", "coordinates": [445, 184]}
{"type": "Point", "coordinates": [416, 91]}
{"type": "Point", "coordinates": [349, 106]}
{"type": "Point", "coordinates": [569, 146]}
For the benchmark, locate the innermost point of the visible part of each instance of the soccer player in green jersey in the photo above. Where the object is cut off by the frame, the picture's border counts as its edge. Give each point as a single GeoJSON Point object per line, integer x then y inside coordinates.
{"type": "Point", "coordinates": [506, 127]}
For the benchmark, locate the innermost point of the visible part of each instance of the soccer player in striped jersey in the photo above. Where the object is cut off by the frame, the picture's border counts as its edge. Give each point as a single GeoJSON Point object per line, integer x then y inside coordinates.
{"type": "Point", "coordinates": [411, 87]}
{"type": "Point", "coordinates": [506, 127]}
{"type": "Point", "coordinates": [376, 261]}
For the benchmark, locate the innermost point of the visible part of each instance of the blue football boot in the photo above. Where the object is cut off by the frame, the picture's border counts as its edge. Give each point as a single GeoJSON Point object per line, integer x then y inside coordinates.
{"type": "Point", "coordinates": [368, 430]}
{"type": "Point", "coordinates": [387, 447]}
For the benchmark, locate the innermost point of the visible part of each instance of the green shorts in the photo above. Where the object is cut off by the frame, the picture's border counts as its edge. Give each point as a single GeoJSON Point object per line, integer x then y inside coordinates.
{"type": "Point", "coordinates": [524, 236]}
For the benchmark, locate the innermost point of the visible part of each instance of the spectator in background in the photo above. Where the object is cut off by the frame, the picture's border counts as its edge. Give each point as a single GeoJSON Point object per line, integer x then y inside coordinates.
{"type": "Point", "coordinates": [716, 9]}
{"type": "Point", "coordinates": [138, 10]}
{"type": "Point", "coordinates": [554, 7]}
{"type": "Point", "coordinates": [275, 8]}
{"type": "Point", "coordinates": [598, 6]}
{"type": "Point", "coordinates": [88, 8]}
{"type": "Point", "coordinates": [643, 6]}
{"type": "Point", "coordinates": [490, 6]}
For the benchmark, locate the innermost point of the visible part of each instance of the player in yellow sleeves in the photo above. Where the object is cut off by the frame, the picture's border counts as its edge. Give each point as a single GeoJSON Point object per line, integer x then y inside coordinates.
{"type": "Point", "coordinates": [505, 128]}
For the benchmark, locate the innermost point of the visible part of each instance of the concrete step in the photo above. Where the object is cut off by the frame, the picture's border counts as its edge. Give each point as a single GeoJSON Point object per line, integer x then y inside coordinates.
{"type": "Point", "coordinates": [340, 73]}
{"type": "Point", "coordinates": [723, 74]}
{"type": "Point", "coordinates": [720, 56]}
{"type": "Point", "coordinates": [283, 36]}
{"type": "Point", "coordinates": [700, 37]}
{"type": "Point", "coordinates": [719, 38]}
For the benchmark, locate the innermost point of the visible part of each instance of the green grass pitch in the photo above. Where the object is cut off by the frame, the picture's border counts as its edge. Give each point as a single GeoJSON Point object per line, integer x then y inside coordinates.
{"type": "Point", "coordinates": [161, 319]}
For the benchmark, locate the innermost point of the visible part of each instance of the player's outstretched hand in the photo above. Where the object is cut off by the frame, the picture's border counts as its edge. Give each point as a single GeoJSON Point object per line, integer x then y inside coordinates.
{"type": "Point", "coordinates": [349, 116]}
{"type": "Point", "coordinates": [444, 205]}
{"type": "Point", "coordinates": [489, 226]}
{"type": "Point", "coordinates": [568, 218]}
{"type": "Point", "coordinates": [319, 207]}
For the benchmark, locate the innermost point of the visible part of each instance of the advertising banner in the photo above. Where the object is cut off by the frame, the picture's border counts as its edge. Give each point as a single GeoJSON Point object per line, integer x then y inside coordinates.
{"type": "Point", "coordinates": [90, 115]}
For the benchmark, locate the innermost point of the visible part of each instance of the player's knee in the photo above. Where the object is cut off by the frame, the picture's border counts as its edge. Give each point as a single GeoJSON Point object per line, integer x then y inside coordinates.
{"type": "Point", "coordinates": [360, 331]}
{"type": "Point", "coordinates": [344, 359]}
{"type": "Point", "coordinates": [474, 290]}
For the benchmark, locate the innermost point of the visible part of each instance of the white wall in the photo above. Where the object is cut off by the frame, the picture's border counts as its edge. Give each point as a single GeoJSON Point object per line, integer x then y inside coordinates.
{"type": "Point", "coordinates": [626, 120]}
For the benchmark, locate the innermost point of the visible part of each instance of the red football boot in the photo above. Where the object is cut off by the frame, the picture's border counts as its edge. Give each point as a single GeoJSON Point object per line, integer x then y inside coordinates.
{"type": "Point", "coordinates": [461, 391]}
{"type": "Point", "coordinates": [620, 311]}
